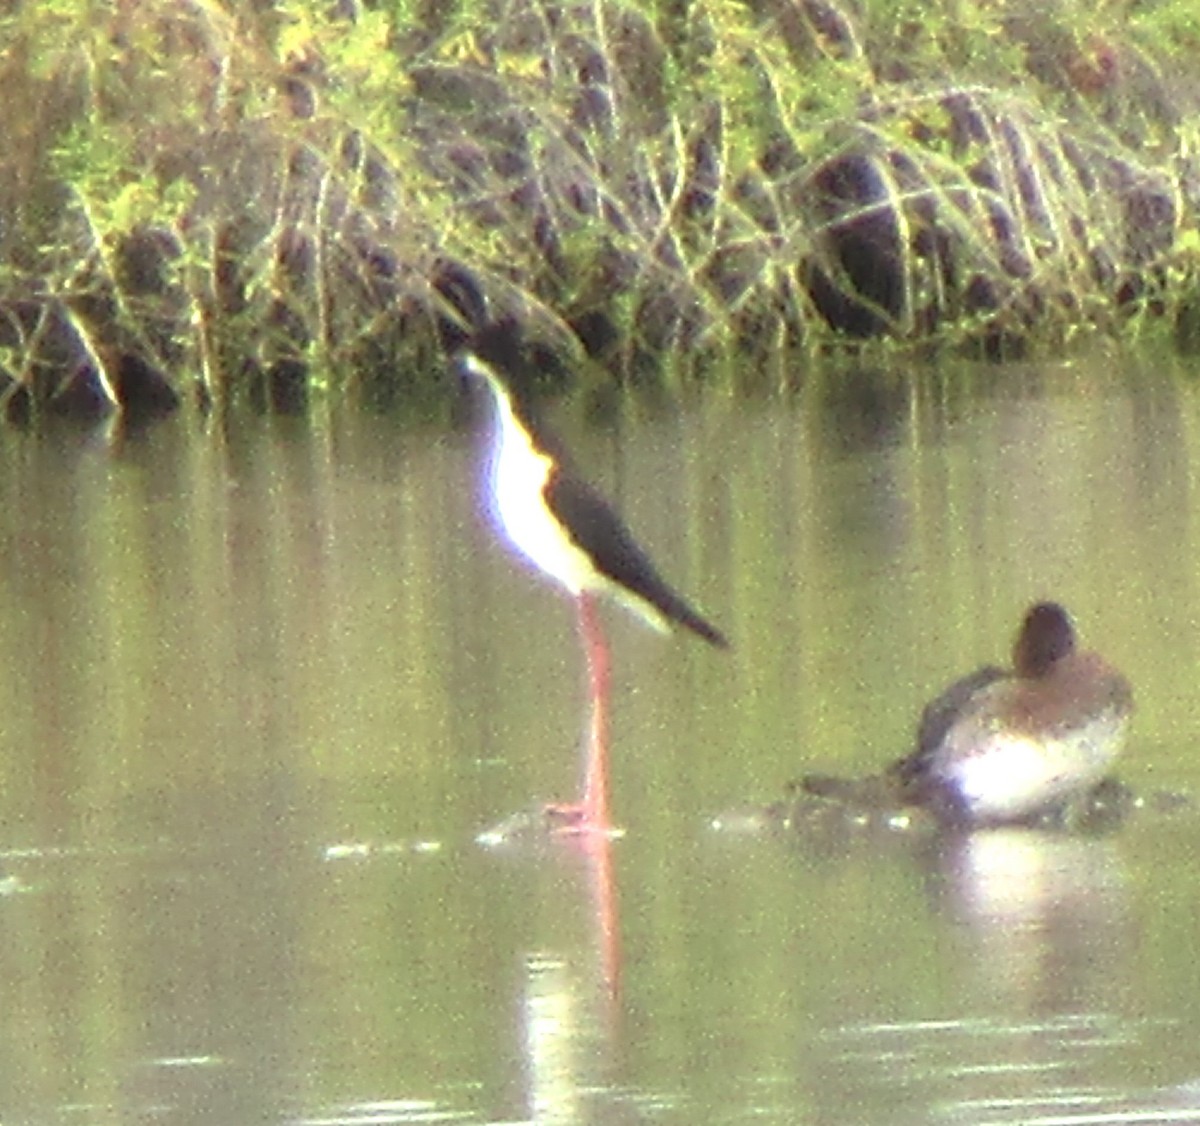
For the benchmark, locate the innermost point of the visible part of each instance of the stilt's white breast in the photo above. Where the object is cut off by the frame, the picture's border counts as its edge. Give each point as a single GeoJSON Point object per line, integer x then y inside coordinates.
{"type": "Point", "coordinates": [518, 475]}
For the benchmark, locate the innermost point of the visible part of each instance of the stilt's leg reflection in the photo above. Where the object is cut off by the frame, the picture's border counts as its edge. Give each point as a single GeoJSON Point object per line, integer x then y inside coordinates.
{"type": "Point", "coordinates": [598, 855]}
{"type": "Point", "coordinates": [570, 1013]}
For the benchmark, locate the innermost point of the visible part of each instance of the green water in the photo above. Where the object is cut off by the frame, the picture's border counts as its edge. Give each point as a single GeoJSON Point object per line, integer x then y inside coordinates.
{"type": "Point", "coordinates": [263, 690]}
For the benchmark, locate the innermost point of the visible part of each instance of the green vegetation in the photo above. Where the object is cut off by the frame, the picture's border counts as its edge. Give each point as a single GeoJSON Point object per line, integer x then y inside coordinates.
{"type": "Point", "coordinates": [225, 199]}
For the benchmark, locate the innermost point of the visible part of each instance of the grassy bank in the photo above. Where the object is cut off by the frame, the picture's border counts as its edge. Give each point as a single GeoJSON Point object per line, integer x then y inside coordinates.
{"type": "Point", "coordinates": [215, 201]}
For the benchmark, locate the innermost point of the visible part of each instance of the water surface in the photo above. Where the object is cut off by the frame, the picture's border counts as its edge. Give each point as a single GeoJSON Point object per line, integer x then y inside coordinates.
{"type": "Point", "coordinates": [264, 688]}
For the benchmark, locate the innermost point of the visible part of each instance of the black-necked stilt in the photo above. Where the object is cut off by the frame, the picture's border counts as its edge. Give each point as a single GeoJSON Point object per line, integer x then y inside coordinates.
{"type": "Point", "coordinates": [568, 531]}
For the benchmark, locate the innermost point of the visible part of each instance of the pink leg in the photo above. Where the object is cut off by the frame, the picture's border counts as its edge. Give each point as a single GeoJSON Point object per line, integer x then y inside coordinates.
{"type": "Point", "coordinates": [591, 814]}
{"type": "Point", "coordinates": [595, 786]}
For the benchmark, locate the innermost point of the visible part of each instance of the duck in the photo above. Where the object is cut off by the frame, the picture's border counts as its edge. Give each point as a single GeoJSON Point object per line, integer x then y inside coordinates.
{"type": "Point", "coordinates": [1009, 745]}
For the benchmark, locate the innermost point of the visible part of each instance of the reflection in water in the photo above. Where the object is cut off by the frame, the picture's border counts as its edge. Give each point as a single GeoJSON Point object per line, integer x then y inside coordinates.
{"type": "Point", "coordinates": [571, 1009]}
{"type": "Point", "coordinates": [1037, 981]}
{"type": "Point", "coordinates": [571, 1003]}
{"type": "Point", "coordinates": [1044, 913]}
{"type": "Point", "coordinates": [554, 1044]}
{"type": "Point", "coordinates": [1045, 935]}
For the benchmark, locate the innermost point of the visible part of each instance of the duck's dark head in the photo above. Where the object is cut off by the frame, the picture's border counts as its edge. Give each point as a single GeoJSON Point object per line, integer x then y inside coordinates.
{"type": "Point", "coordinates": [1046, 637]}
